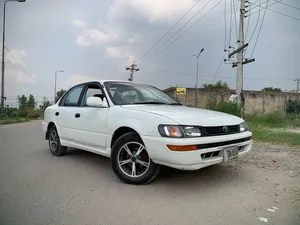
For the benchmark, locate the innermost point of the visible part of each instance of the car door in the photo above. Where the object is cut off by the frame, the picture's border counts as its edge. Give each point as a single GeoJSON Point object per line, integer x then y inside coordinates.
{"type": "Point", "coordinates": [90, 125]}
{"type": "Point", "coordinates": [64, 113]}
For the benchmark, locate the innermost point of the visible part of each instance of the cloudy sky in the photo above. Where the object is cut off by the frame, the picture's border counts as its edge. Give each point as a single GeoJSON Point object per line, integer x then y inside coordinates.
{"type": "Point", "coordinates": [95, 39]}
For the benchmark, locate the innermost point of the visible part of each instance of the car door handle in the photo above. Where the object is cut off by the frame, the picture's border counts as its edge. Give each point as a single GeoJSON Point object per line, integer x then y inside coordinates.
{"type": "Point", "coordinates": [77, 115]}
{"type": "Point", "coordinates": [57, 113]}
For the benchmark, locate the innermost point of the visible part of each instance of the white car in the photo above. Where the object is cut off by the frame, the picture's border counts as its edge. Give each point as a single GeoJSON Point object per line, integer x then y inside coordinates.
{"type": "Point", "coordinates": [140, 128]}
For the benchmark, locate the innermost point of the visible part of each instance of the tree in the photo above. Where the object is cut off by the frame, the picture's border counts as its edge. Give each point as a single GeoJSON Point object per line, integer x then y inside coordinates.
{"type": "Point", "coordinates": [45, 103]}
{"type": "Point", "coordinates": [271, 89]}
{"type": "Point", "coordinates": [31, 103]}
{"type": "Point", "coordinates": [218, 85]}
{"type": "Point", "coordinates": [59, 94]}
{"type": "Point", "coordinates": [22, 101]}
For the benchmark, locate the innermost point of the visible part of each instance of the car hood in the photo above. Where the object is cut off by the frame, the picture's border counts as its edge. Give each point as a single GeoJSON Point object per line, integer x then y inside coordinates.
{"type": "Point", "coordinates": [189, 116]}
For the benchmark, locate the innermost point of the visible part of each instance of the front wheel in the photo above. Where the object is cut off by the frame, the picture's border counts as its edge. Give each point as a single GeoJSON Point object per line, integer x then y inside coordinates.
{"type": "Point", "coordinates": [55, 147]}
{"type": "Point", "coordinates": [131, 161]}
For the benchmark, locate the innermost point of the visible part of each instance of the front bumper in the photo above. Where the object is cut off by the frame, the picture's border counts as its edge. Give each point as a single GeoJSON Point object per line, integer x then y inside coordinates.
{"type": "Point", "coordinates": [45, 129]}
{"type": "Point", "coordinates": [210, 150]}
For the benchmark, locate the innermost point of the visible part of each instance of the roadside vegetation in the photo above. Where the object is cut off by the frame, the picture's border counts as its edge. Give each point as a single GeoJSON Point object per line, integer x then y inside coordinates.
{"type": "Point", "coordinates": [27, 109]}
{"type": "Point", "coordinates": [276, 127]}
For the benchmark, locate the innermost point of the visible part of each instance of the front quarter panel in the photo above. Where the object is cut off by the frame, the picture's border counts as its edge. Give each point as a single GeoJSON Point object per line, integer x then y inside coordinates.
{"type": "Point", "coordinates": [144, 123]}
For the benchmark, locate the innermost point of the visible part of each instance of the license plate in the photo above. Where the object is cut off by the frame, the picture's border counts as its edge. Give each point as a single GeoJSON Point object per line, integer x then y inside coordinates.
{"type": "Point", "coordinates": [230, 153]}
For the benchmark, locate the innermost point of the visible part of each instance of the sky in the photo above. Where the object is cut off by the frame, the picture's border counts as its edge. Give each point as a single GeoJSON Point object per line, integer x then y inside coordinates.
{"type": "Point", "coordinates": [95, 39]}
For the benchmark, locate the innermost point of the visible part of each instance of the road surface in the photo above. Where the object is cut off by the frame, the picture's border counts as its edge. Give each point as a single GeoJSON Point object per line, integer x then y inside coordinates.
{"type": "Point", "coordinates": [81, 188]}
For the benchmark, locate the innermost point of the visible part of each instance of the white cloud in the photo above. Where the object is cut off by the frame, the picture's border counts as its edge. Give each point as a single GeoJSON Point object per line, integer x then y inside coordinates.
{"type": "Point", "coordinates": [15, 60]}
{"type": "Point", "coordinates": [14, 56]}
{"type": "Point", "coordinates": [18, 75]}
{"type": "Point", "coordinates": [164, 10]}
{"type": "Point", "coordinates": [79, 23]}
{"type": "Point", "coordinates": [120, 52]}
{"type": "Point", "coordinates": [73, 79]}
{"type": "Point", "coordinates": [93, 37]}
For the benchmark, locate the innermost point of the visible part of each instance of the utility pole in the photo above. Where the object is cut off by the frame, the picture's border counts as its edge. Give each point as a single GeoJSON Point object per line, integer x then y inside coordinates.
{"type": "Point", "coordinates": [240, 53]}
{"type": "Point", "coordinates": [55, 78]}
{"type": "Point", "coordinates": [197, 76]}
{"type": "Point", "coordinates": [132, 69]}
{"type": "Point", "coordinates": [3, 50]}
{"type": "Point", "coordinates": [298, 85]}
{"type": "Point", "coordinates": [240, 56]}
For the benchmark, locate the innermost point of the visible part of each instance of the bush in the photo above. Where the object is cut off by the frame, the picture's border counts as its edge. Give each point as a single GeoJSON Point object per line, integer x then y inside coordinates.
{"type": "Point", "coordinates": [225, 107]}
{"type": "Point", "coordinates": [293, 107]}
{"type": "Point", "coordinates": [3, 116]}
{"type": "Point", "coordinates": [274, 118]}
{"type": "Point", "coordinates": [23, 113]}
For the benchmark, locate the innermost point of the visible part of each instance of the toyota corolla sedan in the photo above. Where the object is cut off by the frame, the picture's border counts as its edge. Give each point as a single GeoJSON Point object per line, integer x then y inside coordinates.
{"type": "Point", "coordinates": [141, 128]}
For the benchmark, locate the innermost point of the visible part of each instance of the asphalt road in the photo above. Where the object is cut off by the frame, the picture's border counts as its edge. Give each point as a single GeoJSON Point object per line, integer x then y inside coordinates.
{"type": "Point", "coordinates": [81, 188]}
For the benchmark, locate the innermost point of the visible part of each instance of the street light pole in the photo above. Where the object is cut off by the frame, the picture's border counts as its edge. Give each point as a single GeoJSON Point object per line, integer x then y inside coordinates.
{"type": "Point", "coordinates": [197, 76]}
{"type": "Point", "coordinates": [55, 84]}
{"type": "Point", "coordinates": [3, 56]}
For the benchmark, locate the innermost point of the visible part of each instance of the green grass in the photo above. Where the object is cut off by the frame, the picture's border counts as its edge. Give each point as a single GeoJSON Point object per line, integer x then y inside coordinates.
{"type": "Point", "coordinates": [263, 128]}
{"type": "Point", "coordinates": [276, 137]}
{"type": "Point", "coordinates": [13, 120]}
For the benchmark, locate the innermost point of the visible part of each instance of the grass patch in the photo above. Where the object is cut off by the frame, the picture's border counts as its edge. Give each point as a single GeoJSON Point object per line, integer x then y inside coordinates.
{"type": "Point", "coordinates": [13, 120]}
{"type": "Point", "coordinates": [261, 127]}
{"type": "Point", "coordinates": [276, 137]}
{"type": "Point", "coordinates": [274, 120]}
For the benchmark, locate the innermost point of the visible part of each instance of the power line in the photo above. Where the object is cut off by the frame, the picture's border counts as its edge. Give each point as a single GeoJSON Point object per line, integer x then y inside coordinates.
{"type": "Point", "coordinates": [225, 24]}
{"type": "Point", "coordinates": [255, 27]}
{"type": "Point", "coordinates": [248, 22]}
{"type": "Point", "coordinates": [26, 72]}
{"type": "Point", "coordinates": [280, 13]}
{"type": "Point", "coordinates": [236, 29]}
{"type": "Point", "coordinates": [220, 64]}
{"type": "Point", "coordinates": [260, 7]}
{"type": "Point", "coordinates": [283, 3]}
{"type": "Point", "coordinates": [259, 29]}
{"type": "Point", "coordinates": [186, 30]}
{"type": "Point", "coordinates": [232, 10]}
{"type": "Point", "coordinates": [170, 29]}
{"type": "Point", "coordinates": [153, 53]}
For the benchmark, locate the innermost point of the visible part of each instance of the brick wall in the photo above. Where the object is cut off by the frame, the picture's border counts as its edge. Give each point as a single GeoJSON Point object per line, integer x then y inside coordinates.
{"type": "Point", "coordinates": [256, 102]}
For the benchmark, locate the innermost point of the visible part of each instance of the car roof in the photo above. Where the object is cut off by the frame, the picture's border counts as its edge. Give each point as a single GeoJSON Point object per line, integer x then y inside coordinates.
{"type": "Point", "coordinates": [120, 81]}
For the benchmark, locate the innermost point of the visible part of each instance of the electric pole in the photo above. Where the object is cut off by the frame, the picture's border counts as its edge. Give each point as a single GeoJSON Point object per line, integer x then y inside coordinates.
{"type": "Point", "coordinates": [132, 69]}
{"type": "Point", "coordinates": [197, 76]}
{"type": "Point", "coordinates": [240, 53]}
{"type": "Point", "coordinates": [298, 84]}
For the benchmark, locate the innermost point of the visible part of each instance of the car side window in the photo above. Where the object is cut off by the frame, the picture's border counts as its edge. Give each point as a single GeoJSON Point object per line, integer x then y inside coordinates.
{"type": "Point", "coordinates": [72, 98]}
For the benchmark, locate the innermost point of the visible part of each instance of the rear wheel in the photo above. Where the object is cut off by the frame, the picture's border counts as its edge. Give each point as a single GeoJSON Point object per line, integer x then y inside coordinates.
{"type": "Point", "coordinates": [131, 161]}
{"type": "Point", "coordinates": [55, 147]}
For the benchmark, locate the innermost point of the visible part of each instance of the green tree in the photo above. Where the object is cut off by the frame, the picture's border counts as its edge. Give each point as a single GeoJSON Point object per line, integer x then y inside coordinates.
{"type": "Point", "coordinates": [218, 85]}
{"type": "Point", "coordinates": [31, 103]}
{"type": "Point", "coordinates": [45, 103]}
{"type": "Point", "coordinates": [59, 94]}
{"type": "Point", "coordinates": [22, 101]}
{"type": "Point", "coordinates": [271, 89]}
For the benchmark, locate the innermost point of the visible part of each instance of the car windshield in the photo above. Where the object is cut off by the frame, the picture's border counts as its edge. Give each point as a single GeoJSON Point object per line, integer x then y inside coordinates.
{"type": "Point", "coordinates": [132, 93]}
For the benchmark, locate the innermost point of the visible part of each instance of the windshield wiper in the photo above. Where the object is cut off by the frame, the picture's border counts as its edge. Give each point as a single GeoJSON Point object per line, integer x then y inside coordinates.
{"type": "Point", "coordinates": [154, 103]}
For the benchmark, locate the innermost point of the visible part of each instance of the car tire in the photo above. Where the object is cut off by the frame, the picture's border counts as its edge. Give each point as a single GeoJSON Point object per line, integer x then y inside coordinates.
{"type": "Point", "coordinates": [55, 147]}
{"type": "Point", "coordinates": [138, 168]}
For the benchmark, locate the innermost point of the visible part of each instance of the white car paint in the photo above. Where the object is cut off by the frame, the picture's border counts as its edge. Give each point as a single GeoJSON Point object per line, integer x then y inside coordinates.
{"type": "Point", "coordinates": [94, 130]}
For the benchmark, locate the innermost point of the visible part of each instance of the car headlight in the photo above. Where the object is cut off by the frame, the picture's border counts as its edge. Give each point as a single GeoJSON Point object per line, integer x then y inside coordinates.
{"type": "Point", "coordinates": [244, 127]}
{"type": "Point", "coordinates": [192, 132]}
{"type": "Point", "coordinates": [178, 131]}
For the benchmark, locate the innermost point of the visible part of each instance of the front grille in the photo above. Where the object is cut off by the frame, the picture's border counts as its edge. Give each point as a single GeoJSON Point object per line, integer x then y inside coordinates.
{"type": "Point", "coordinates": [210, 155]}
{"type": "Point", "coordinates": [222, 130]}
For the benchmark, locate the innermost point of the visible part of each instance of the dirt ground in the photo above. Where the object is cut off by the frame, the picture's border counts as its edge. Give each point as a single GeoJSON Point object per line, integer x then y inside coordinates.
{"type": "Point", "coordinates": [277, 175]}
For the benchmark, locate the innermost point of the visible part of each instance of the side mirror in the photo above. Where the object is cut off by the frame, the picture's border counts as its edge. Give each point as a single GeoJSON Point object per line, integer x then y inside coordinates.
{"type": "Point", "coordinates": [94, 102]}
